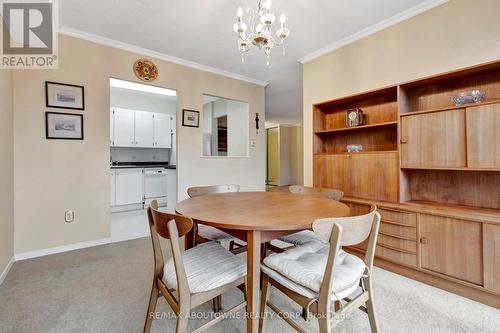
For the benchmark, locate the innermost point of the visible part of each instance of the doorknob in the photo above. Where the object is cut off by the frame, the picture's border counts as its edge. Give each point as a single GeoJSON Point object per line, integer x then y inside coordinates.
{"type": "Point", "coordinates": [423, 240]}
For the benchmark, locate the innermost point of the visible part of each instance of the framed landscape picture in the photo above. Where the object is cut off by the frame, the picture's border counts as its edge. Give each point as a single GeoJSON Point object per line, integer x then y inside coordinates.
{"type": "Point", "coordinates": [190, 118]}
{"type": "Point", "coordinates": [66, 126]}
{"type": "Point", "coordinates": [64, 96]}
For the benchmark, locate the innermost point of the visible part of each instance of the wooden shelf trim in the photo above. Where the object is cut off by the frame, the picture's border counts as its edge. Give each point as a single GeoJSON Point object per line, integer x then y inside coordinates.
{"type": "Point", "coordinates": [397, 236]}
{"type": "Point", "coordinates": [362, 152]}
{"type": "Point", "coordinates": [399, 224]}
{"type": "Point", "coordinates": [487, 102]}
{"type": "Point", "coordinates": [343, 129]}
{"type": "Point", "coordinates": [485, 215]}
{"type": "Point", "coordinates": [447, 168]}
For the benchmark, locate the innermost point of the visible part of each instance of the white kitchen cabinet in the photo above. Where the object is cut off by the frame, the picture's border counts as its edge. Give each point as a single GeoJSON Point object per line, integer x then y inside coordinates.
{"type": "Point", "coordinates": [111, 128]}
{"type": "Point", "coordinates": [171, 190]}
{"type": "Point", "coordinates": [162, 131]}
{"type": "Point", "coordinates": [124, 128]}
{"type": "Point", "coordinates": [144, 129]}
{"type": "Point", "coordinates": [112, 187]}
{"type": "Point", "coordinates": [129, 186]}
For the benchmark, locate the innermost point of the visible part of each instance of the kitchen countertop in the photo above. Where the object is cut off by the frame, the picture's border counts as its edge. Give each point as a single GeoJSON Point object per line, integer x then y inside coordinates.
{"type": "Point", "coordinates": [142, 166]}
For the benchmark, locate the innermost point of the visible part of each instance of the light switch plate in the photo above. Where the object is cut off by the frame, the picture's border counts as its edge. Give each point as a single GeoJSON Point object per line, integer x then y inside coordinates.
{"type": "Point", "coordinates": [69, 216]}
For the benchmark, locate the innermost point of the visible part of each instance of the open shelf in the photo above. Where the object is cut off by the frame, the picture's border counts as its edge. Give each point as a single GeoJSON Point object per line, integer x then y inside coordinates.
{"type": "Point", "coordinates": [487, 214]}
{"type": "Point", "coordinates": [486, 102]}
{"type": "Point", "coordinates": [371, 126]}
{"type": "Point", "coordinates": [435, 93]}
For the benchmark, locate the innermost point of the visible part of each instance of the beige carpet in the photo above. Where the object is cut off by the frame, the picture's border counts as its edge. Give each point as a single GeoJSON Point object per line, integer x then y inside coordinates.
{"type": "Point", "coordinates": [106, 289]}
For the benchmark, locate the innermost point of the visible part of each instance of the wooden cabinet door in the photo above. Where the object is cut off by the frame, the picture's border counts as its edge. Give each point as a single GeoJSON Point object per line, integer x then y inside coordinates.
{"type": "Point", "coordinates": [366, 175]}
{"type": "Point", "coordinates": [129, 186]}
{"type": "Point", "coordinates": [143, 129]}
{"type": "Point", "coordinates": [435, 139]}
{"type": "Point", "coordinates": [162, 131]}
{"type": "Point", "coordinates": [124, 128]}
{"type": "Point", "coordinates": [332, 171]}
{"type": "Point", "coordinates": [452, 247]}
{"type": "Point", "coordinates": [483, 136]}
{"type": "Point", "coordinates": [491, 253]}
{"type": "Point", "coordinates": [373, 176]}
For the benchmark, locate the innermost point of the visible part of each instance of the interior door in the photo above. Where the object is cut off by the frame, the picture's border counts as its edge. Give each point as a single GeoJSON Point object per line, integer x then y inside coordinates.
{"type": "Point", "coordinates": [129, 186]}
{"type": "Point", "coordinates": [483, 136]}
{"type": "Point", "coordinates": [435, 139]}
{"type": "Point", "coordinates": [452, 247]}
{"type": "Point", "coordinates": [124, 128]}
{"type": "Point", "coordinates": [162, 131]}
{"type": "Point", "coordinates": [144, 129]}
{"type": "Point", "coordinates": [273, 156]}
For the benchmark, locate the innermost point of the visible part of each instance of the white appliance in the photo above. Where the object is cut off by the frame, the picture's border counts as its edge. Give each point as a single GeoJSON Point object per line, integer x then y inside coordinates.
{"type": "Point", "coordinates": [155, 186]}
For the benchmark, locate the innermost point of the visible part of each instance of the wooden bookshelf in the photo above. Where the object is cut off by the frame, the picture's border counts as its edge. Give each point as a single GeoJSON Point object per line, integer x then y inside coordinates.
{"type": "Point", "coordinates": [432, 168]}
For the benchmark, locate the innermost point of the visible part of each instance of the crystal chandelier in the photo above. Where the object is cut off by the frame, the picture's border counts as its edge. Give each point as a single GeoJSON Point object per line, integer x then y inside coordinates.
{"type": "Point", "coordinates": [260, 34]}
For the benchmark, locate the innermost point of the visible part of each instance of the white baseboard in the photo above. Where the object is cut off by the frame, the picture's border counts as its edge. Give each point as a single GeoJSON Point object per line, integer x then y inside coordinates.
{"type": "Point", "coordinates": [6, 270]}
{"type": "Point", "coordinates": [60, 249]}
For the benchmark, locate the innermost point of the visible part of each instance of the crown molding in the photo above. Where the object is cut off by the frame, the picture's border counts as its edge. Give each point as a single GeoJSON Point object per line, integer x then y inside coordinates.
{"type": "Point", "coordinates": [150, 53]}
{"type": "Point", "coordinates": [414, 11]}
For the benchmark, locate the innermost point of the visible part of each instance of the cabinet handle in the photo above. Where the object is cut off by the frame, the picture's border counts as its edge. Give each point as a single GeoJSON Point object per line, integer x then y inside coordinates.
{"type": "Point", "coordinates": [132, 142]}
{"type": "Point", "coordinates": [404, 140]}
{"type": "Point", "coordinates": [423, 240]}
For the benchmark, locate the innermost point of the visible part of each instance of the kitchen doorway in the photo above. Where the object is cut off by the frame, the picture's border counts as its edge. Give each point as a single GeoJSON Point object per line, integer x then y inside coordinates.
{"type": "Point", "coordinates": [143, 155]}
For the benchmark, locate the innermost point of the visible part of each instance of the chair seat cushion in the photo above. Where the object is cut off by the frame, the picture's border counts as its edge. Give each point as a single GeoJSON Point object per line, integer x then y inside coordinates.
{"type": "Point", "coordinates": [301, 238]}
{"type": "Point", "coordinates": [214, 234]}
{"type": "Point", "coordinates": [305, 266]}
{"type": "Point", "coordinates": [208, 266]}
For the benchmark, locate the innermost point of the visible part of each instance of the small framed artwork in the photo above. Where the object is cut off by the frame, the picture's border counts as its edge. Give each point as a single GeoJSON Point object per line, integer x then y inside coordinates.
{"type": "Point", "coordinates": [190, 118]}
{"type": "Point", "coordinates": [65, 126]}
{"type": "Point", "coordinates": [64, 96]}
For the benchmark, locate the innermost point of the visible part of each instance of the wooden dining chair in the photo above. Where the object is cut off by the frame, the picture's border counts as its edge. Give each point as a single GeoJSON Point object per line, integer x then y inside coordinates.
{"type": "Point", "coordinates": [302, 237]}
{"type": "Point", "coordinates": [204, 233]}
{"type": "Point", "coordinates": [197, 275]}
{"type": "Point", "coordinates": [315, 275]}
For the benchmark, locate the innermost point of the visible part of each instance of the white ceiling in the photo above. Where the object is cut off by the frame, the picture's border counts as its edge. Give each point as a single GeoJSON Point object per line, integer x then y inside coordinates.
{"type": "Point", "coordinates": [201, 31]}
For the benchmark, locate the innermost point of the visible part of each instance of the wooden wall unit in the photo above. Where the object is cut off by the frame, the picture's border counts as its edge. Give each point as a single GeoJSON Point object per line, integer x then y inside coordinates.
{"type": "Point", "coordinates": [432, 168]}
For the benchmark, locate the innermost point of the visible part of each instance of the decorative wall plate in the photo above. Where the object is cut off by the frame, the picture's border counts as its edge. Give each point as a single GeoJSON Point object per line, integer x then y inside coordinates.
{"type": "Point", "coordinates": [145, 70]}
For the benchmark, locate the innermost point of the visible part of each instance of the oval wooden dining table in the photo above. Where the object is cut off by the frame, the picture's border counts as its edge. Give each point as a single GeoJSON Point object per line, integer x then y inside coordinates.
{"type": "Point", "coordinates": [257, 218]}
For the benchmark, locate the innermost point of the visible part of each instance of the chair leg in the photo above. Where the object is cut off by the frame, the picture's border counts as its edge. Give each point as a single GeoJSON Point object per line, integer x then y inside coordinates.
{"type": "Point", "coordinates": [217, 303]}
{"type": "Point", "coordinates": [263, 301]}
{"type": "Point", "coordinates": [182, 322]}
{"type": "Point", "coordinates": [153, 299]}
{"type": "Point", "coordinates": [370, 306]}
{"type": "Point", "coordinates": [324, 316]}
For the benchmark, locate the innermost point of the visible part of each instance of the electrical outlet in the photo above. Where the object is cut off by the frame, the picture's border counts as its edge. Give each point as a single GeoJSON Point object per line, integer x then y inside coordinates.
{"type": "Point", "coordinates": [252, 143]}
{"type": "Point", "coordinates": [69, 216]}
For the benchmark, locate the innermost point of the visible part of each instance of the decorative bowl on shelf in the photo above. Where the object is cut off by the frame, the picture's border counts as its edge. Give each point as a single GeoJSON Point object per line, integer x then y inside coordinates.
{"type": "Point", "coordinates": [474, 96]}
{"type": "Point", "coordinates": [354, 148]}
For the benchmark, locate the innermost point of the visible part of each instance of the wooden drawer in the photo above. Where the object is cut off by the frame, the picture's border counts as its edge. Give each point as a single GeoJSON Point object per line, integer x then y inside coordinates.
{"type": "Point", "coordinates": [404, 245]}
{"type": "Point", "coordinates": [409, 233]}
{"type": "Point", "coordinates": [396, 256]}
{"type": "Point", "coordinates": [398, 217]}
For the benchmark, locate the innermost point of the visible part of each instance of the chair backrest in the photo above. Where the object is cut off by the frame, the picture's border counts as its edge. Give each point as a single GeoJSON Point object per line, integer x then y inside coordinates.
{"type": "Point", "coordinates": [170, 227]}
{"type": "Point", "coordinates": [203, 190]}
{"type": "Point", "coordinates": [355, 228]}
{"type": "Point", "coordinates": [327, 192]}
{"type": "Point", "coordinates": [345, 231]}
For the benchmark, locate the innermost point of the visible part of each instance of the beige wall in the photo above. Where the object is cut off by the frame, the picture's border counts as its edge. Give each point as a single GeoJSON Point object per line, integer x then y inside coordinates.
{"type": "Point", "coordinates": [457, 34]}
{"type": "Point", "coordinates": [6, 170]}
{"type": "Point", "coordinates": [52, 176]}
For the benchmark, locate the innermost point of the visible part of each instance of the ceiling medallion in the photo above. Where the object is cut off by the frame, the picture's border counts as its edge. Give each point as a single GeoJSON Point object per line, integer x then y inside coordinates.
{"type": "Point", "coordinates": [260, 34]}
{"type": "Point", "coordinates": [145, 70]}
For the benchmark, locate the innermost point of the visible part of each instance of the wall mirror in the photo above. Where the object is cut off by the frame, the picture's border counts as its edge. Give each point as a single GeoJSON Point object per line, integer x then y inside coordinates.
{"type": "Point", "coordinates": [225, 127]}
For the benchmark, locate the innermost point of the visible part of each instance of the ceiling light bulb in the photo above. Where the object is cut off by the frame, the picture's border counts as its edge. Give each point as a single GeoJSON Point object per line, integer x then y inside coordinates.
{"type": "Point", "coordinates": [282, 18]}
{"type": "Point", "coordinates": [239, 12]}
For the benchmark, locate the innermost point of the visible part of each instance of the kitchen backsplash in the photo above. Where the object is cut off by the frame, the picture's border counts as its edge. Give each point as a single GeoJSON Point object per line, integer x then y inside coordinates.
{"type": "Point", "coordinates": [139, 154]}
